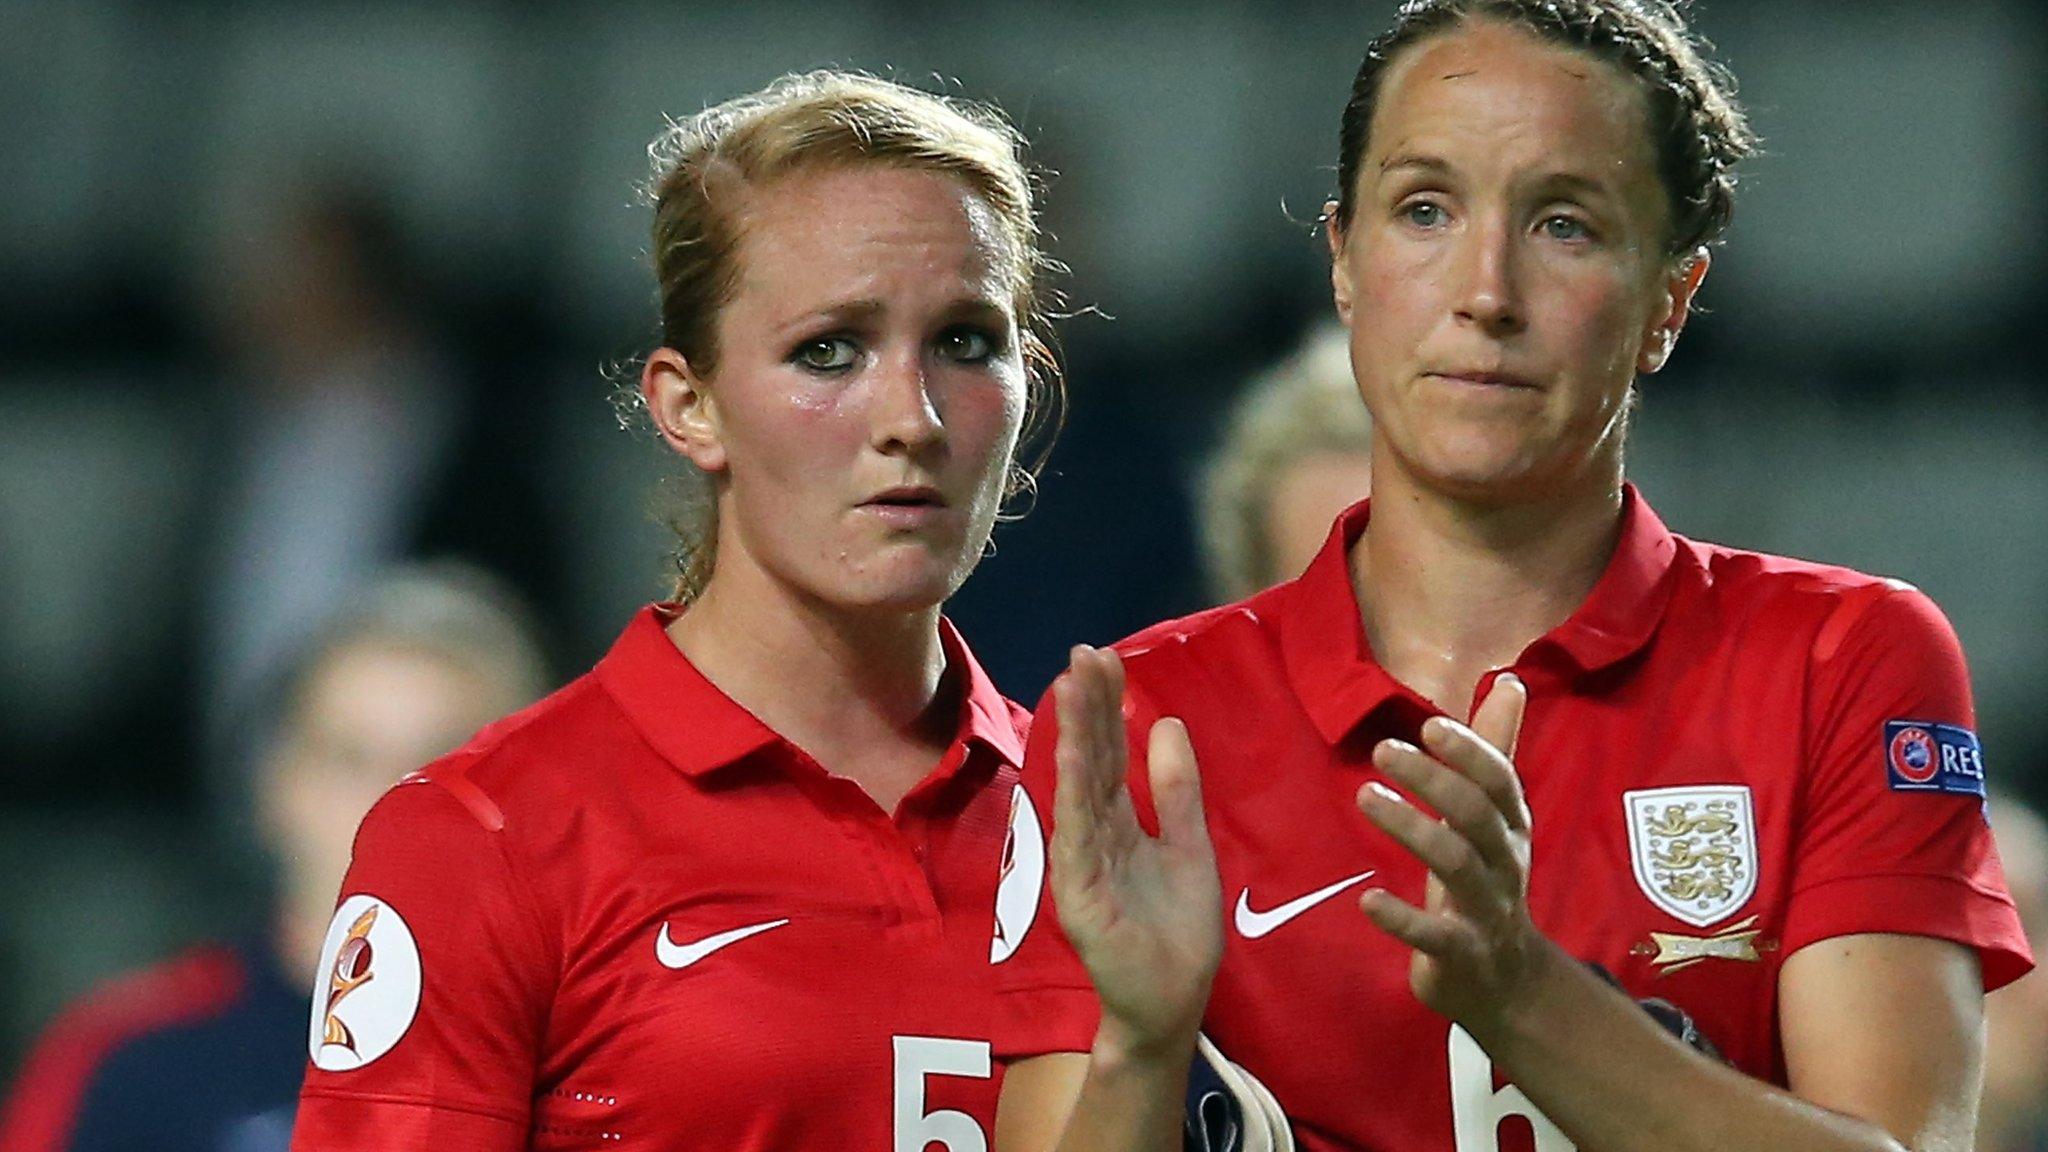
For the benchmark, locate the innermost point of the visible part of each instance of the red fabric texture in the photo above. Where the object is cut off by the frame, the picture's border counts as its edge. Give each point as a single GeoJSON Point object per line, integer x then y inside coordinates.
{"type": "Point", "coordinates": [567, 877]}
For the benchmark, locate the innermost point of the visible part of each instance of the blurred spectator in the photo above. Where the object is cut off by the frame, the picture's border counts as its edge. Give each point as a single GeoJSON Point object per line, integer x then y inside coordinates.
{"type": "Point", "coordinates": [2014, 1115]}
{"type": "Point", "coordinates": [206, 1051]}
{"type": "Point", "coordinates": [355, 442]}
{"type": "Point", "coordinates": [1296, 451]}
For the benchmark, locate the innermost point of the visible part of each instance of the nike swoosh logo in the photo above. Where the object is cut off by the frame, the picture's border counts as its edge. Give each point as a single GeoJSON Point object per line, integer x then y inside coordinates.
{"type": "Point", "coordinates": [1252, 925]}
{"type": "Point", "coordinates": [680, 956]}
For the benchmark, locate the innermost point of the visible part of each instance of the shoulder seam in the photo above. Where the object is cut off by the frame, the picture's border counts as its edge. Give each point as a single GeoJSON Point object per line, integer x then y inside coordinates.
{"type": "Point", "coordinates": [1849, 610]}
{"type": "Point", "coordinates": [452, 774]}
{"type": "Point", "coordinates": [452, 771]}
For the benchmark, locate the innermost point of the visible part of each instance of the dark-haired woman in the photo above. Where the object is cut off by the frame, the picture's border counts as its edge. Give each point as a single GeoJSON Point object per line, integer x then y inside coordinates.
{"type": "Point", "coordinates": [1740, 783]}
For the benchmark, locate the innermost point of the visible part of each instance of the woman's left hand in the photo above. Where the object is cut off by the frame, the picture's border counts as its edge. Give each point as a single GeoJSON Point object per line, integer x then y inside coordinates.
{"type": "Point", "coordinates": [1475, 945]}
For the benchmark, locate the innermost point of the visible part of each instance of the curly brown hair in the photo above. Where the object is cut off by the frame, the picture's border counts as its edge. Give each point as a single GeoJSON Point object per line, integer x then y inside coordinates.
{"type": "Point", "coordinates": [1699, 130]}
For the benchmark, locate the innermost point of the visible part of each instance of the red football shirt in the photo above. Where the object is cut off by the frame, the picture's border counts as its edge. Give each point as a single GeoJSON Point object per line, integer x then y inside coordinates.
{"type": "Point", "coordinates": [1728, 756]}
{"type": "Point", "coordinates": [632, 916]}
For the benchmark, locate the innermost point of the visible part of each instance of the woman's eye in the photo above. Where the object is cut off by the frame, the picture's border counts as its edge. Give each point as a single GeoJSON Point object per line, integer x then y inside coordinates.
{"type": "Point", "coordinates": [1563, 227]}
{"type": "Point", "coordinates": [967, 345]}
{"type": "Point", "coordinates": [831, 354]}
{"type": "Point", "coordinates": [1423, 214]}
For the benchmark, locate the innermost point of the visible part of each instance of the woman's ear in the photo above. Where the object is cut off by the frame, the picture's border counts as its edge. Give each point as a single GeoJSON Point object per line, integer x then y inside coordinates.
{"type": "Point", "coordinates": [1340, 273]}
{"type": "Point", "coordinates": [1680, 286]}
{"type": "Point", "coordinates": [682, 409]}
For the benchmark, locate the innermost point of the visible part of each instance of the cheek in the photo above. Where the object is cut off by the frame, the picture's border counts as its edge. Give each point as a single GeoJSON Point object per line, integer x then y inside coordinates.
{"type": "Point", "coordinates": [1393, 287]}
{"type": "Point", "coordinates": [788, 438]}
{"type": "Point", "coordinates": [1599, 312]}
{"type": "Point", "coordinates": [1398, 299]}
{"type": "Point", "coordinates": [984, 416]}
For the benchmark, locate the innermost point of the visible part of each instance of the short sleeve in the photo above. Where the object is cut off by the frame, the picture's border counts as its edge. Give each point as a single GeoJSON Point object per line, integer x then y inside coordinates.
{"type": "Point", "coordinates": [434, 988]}
{"type": "Point", "coordinates": [1044, 1002]}
{"type": "Point", "coordinates": [1892, 833]}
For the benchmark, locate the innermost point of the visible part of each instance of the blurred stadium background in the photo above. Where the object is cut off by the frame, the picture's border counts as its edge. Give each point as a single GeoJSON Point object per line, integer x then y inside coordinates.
{"type": "Point", "coordinates": [214, 211]}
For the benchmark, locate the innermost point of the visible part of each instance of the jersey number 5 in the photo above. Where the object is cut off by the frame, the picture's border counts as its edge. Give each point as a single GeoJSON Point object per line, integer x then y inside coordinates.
{"type": "Point", "coordinates": [1478, 1108]}
{"type": "Point", "coordinates": [918, 1057]}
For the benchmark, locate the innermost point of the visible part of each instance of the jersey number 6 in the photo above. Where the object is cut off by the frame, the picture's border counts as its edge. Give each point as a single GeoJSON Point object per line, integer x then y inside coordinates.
{"type": "Point", "coordinates": [1477, 1108]}
{"type": "Point", "coordinates": [918, 1057]}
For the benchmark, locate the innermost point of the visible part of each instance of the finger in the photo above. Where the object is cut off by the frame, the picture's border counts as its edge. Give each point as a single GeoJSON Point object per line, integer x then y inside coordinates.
{"type": "Point", "coordinates": [1082, 815]}
{"type": "Point", "coordinates": [1465, 751]}
{"type": "Point", "coordinates": [1436, 933]}
{"type": "Point", "coordinates": [1499, 718]}
{"type": "Point", "coordinates": [1091, 768]}
{"type": "Point", "coordinates": [1456, 797]}
{"type": "Point", "coordinates": [1072, 815]}
{"type": "Point", "coordinates": [1106, 733]}
{"type": "Point", "coordinates": [1176, 787]}
{"type": "Point", "coordinates": [1471, 885]}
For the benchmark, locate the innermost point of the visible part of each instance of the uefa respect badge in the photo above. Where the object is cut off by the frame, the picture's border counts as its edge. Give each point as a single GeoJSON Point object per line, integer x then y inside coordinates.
{"type": "Point", "coordinates": [1925, 756]}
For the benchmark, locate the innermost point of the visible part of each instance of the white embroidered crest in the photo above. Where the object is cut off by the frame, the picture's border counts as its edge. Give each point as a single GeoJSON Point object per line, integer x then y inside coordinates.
{"type": "Point", "coordinates": [1694, 849]}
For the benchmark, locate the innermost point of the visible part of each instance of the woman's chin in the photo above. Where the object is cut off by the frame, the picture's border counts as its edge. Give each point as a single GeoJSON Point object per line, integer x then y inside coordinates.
{"type": "Point", "coordinates": [1488, 466]}
{"type": "Point", "coordinates": [1489, 476]}
{"type": "Point", "coordinates": [902, 584]}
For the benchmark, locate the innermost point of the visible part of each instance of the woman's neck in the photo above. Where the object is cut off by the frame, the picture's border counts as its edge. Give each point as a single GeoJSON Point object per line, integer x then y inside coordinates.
{"type": "Point", "coordinates": [856, 689]}
{"type": "Point", "coordinates": [1450, 589]}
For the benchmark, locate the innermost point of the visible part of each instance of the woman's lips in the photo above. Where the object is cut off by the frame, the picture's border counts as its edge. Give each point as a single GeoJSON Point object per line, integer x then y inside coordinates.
{"type": "Point", "coordinates": [908, 506]}
{"type": "Point", "coordinates": [1482, 378]}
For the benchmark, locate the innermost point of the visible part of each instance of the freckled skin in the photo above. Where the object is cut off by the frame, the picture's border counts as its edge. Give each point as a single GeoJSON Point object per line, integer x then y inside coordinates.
{"type": "Point", "coordinates": [1508, 220]}
{"type": "Point", "coordinates": [897, 264]}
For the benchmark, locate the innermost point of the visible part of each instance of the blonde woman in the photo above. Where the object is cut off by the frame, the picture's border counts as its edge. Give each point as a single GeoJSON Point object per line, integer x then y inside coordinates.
{"type": "Point", "coordinates": [1296, 450]}
{"type": "Point", "coordinates": [732, 888]}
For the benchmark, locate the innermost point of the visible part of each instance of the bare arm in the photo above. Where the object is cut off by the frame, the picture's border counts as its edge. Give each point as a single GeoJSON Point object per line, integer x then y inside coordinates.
{"type": "Point", "coordinates": [1891, 1029]}
{"type": "Point", "coordinates": [1883, 1042]}
{"type": "Point", "coordinates": [1883, 1035]}
{"type": "Point", "coordinates": [1145, 915]}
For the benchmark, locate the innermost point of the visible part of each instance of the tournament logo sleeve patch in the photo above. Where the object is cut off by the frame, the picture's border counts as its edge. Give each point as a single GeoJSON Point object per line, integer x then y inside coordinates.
{"type": "Point", "coordinates": [1023, 873]}
{"type": "Point", "coordinates": [367, 988]}
{"type": "Point", "coordinates": [1924, 756]}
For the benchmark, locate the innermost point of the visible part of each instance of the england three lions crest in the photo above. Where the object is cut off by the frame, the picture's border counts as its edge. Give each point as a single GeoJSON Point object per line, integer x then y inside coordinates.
{"type": "Point", "coordinates": [1694, 849]}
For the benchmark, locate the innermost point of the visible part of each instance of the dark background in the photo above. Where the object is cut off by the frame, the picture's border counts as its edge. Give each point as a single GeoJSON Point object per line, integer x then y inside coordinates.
{"type": "Point", "coordinates": [1864, 388]}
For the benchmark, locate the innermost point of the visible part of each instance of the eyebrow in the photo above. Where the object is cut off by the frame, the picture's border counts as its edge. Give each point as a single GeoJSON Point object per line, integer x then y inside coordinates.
{"type": "Point", "coordinates": [854, 312]}
{"type": "Point", "coordinates": [845, 312]}
{"type": "Point", "coordinates": [1569, 181]}
{"type": "Point", "coordinates": [1411, 160]}
{"type": "Point", "coordinates": [1573, 182]}
{"type": "Point", "coordinates": [979, 307]}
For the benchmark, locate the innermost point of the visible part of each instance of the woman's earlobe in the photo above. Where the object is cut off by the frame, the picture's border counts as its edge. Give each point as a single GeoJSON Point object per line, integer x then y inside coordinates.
{"type": "Point", "coordinates": [1684, 284]}
{"type": "Point", "coordinates": [1656, 351]}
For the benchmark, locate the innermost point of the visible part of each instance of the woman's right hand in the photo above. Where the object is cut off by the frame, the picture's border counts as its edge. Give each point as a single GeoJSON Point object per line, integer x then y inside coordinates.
{"type": "Point", "coordinates": [1144, 913]}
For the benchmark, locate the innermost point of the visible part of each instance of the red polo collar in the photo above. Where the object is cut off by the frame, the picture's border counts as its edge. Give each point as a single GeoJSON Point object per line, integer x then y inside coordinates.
{"type": "Point", "coordinates": [698, 728]}
{"type": "Point", "coordinates": [1323, 644]}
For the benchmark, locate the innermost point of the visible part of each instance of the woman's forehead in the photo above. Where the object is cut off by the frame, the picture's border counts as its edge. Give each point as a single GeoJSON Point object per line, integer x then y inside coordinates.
{"type": "Point", "coordinates": [857, 222]}
{"type": "Point", "coordinates": [1492, 86]}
